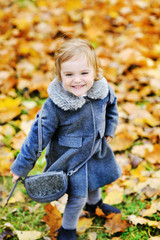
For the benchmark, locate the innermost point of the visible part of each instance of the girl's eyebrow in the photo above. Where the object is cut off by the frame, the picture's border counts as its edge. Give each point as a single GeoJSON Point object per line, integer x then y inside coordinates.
{"type": "Point", "coordinates": [67, 71]}
{"type": "Point", "coordinates": [85, 70]}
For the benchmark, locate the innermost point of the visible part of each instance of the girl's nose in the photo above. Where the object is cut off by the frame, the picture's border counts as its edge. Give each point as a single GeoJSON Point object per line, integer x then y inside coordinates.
{"type": "Point", "coordinates": [77, 79]}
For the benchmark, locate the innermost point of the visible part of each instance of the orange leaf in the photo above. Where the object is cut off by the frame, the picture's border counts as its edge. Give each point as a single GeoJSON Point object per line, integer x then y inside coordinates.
{"type": "Point", "coordinates": [153, 157]}
{"type": "Point", "coordinates": [100, 213]}
{"type": "Point", "coordinates": [53, 219]}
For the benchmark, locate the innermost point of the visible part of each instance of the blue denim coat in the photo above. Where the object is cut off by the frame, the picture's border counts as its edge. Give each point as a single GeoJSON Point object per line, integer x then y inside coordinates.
{"type": "Point", "coordinates": [74, 128]}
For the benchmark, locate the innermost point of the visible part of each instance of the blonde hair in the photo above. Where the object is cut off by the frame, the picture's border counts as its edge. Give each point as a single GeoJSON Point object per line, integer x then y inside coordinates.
{"type": "Point", "coordinates": [75, 48]}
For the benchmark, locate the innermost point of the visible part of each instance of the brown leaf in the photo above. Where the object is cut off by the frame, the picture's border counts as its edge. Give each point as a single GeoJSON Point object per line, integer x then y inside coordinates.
{"type": "Point", "coordinates": [114, 223]}
{"type": "Point", "coordinates": [53, 219]}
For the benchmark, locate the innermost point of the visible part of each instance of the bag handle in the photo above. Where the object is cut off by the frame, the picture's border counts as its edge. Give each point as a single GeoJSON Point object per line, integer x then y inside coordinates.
{"type": "Point", "coordinates": [40, 135]}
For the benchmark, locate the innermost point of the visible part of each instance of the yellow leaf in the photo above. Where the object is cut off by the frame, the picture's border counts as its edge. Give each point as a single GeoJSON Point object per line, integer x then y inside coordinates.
{"type": "Point", "coordinates": [28, 235]}
{"type": "Point", "coordinates": [9, 109]}
{"type": "Point", "coordinates": [153, 156]}
{"type": "Point", "coordinates": [41, 3]}
{"type": "Point", "coordinates": [138, 172]}
{"type": "Point", "coordinates": [111, 74]}
{"type": "Point", "coordinates": [114, 197]}
{"type": "Point", "coordinates": [121, 142]}
{"type": "Point", "coordinates": [21, 23]}
{"type": "Point", "coordinates": [130, 183]}
{"type": "Point", "coordinates": [113, 14]}
{"type": "Point", "coordinates": [73, 5]}
{"type": "Point", "coordinates": [149, 120]}
{"type": "Point", "coordinates": [5, 160]}
{"type": "Point", "coordinates": [17, 197]}
{"type": "Point", "coordinates": [83, 224]}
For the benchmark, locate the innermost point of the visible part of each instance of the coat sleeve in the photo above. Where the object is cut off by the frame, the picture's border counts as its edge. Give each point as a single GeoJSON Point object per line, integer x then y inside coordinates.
{"type": "Point", "coordinates": [27, 157]}
{"type": "Point", "coordinates": [111, 114]}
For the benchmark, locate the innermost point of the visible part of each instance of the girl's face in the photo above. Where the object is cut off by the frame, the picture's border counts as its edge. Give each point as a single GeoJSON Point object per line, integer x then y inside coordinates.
{"type": "Point", "coordinates": [77, 76]}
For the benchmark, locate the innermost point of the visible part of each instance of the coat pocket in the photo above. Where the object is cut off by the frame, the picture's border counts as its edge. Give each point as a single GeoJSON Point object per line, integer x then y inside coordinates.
{"type": "Point", "coordinates": [69, 141]}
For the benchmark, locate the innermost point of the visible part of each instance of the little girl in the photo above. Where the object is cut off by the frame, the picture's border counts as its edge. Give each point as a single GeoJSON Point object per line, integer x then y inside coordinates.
{"type": "Point", "coordinates": [79, 119]}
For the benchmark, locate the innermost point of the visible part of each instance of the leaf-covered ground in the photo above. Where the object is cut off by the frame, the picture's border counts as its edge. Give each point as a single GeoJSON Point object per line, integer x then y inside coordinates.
{"type": "Point", "coordinates": [126, 37]}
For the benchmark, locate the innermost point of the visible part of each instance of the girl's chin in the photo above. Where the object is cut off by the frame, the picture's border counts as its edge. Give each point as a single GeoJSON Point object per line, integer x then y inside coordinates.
{"type": "Point", "coordinates": [78, 92]}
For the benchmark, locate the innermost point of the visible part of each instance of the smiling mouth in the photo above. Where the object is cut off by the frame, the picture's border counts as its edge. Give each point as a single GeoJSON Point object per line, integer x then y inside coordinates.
{"type": "Point", "coordinates": [78, 86]}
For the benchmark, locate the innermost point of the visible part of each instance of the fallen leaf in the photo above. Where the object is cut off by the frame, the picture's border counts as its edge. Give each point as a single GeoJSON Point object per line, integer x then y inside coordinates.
{"type": "Point", "coordinates": [149, 191]}
{"type": "Point", "coordinates": [6, 233]}
{"type": "Point", "coordinates": [28, 235]}
{"type": "Point", "coordinates": [148, 212]}
{"type": "Point", "coordinates": [139, 115]}
{"type": "Point", "coordinates": [9, 109]}
{"type": "Point", "coordinates": [17, 197]}
{"type": "Point", "coordinates": [114, 224]}
{"type": "Point", "coordinates": [84, 224]}
{"type": "Point", "coordinates": [114, 197]}
{"type": "Point", "coordinates": [72, 5]}
{"type": "Point", "coordinates": [92, 236]}
{"type": "Point", "coordinates": [6, 157]}
{"type": "Point", "coordinates": [26, 126]}
{"type": "Point", "coordinates": [139, 220]}
{"type": "Point", "coordinates": [18, 140]}
{"type": "Point", "coordinates": [53, 219]}
{"type": "Point", "coordinates": [7, 129]}
{"type": "Point", "coordinates": [153, 156]}
{"type": "Point", "coordinates": [100, 213]}
{"type": "Point", "coordinates": [154, 238]}
{"type": "Point", "coordinates": [121, 142]}
{"type": "Point", "coordinates": [61, 203]}
{"type": "Point", "coordinates": [29, 104]}
{"type": "Point", "coordinates": [135, 160]}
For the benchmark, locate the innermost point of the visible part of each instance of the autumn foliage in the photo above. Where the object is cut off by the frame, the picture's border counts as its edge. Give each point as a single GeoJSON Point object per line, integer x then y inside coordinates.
{"type": "Point", "coordinates": [125, 34]}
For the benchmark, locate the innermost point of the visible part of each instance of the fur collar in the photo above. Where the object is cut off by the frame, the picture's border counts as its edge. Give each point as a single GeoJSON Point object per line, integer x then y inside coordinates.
{"type": "Point", "coordinates": [68, 101]}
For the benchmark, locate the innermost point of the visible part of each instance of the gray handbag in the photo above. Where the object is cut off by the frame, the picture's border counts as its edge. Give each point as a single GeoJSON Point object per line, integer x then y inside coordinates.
{"type": "Point", "coordinates": [50, 185]}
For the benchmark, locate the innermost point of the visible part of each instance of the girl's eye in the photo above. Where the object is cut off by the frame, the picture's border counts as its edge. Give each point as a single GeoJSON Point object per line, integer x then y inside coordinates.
{"type": "Point", "coordinates": [84, 73]}
{"type": "Point", "coordinates": [68, 74]}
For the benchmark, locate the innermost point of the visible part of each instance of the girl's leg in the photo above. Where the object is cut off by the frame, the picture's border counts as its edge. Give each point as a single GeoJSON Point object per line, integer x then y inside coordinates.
{"type": "Point", "coordinates": [72, 212]}
{"type": "Point", "coordinates": [94, 196]}
{"type": "Point", "coordinates": [95, 200]}
{"type": "Point", "coordinates": [70, 218]}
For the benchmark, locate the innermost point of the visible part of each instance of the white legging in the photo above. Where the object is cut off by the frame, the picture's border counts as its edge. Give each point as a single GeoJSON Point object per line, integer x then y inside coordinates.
{"type": "Point", "coordinates": [74, 207]}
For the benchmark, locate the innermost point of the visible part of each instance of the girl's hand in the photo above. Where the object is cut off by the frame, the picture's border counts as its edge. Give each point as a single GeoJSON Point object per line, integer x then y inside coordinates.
{"type": "Point", "coordinates": [108, 139]}
{"type": "Point", "coordinates": [15, 177]}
